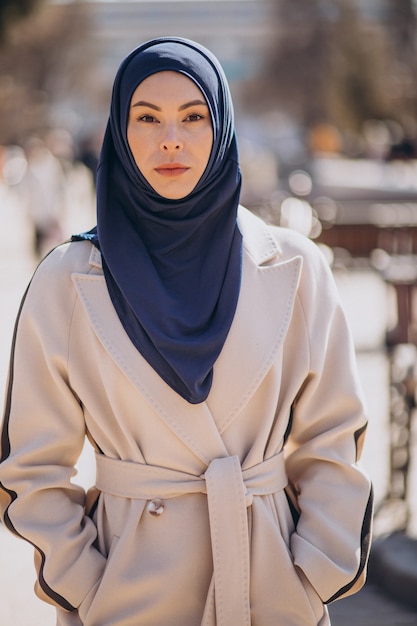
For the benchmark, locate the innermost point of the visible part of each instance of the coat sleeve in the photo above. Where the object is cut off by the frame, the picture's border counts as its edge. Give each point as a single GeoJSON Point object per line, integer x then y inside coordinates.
{"type": "Point", "coordinates": [43, 433]}
{"type": "Point", "coordinates": [334, 495]}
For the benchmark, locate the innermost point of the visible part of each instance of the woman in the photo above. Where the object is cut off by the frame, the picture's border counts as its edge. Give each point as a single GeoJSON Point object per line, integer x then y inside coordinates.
{"type": "Point", "coordinates": [207, 358]}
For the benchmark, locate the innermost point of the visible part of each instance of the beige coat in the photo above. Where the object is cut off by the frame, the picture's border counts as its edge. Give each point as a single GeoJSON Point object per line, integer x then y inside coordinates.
{"type": "Point", "coordinates": [192, 525]}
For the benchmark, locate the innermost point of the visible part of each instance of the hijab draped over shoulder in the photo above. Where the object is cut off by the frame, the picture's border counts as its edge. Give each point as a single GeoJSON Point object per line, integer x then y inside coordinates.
{"type": "Point", "coordinates": [172, 267]}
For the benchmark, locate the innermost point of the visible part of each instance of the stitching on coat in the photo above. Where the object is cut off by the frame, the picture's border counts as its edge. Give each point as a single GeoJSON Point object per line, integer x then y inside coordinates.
{"type": "Point", "coordinates": [244, 532]}
{"type": "Point", "coordinates": [284, 326]}
{"type": "Point", "coordinates": [217, 592]}
{"type": "Point", "coordinates": [129, 372]}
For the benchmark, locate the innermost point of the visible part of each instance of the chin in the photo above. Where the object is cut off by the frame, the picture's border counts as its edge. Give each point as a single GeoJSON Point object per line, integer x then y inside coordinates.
{"type": "Point", "coordinates": [174, 195]}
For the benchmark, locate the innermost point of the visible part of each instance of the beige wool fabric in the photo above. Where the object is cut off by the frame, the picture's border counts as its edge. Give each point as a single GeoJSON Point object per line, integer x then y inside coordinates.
{"type": "Point", "coordinates": [190, 520]}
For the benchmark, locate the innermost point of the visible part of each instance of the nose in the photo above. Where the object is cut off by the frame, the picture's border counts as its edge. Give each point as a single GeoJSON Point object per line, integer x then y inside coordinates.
{"type": "Point", "coordinates": [171, 140]}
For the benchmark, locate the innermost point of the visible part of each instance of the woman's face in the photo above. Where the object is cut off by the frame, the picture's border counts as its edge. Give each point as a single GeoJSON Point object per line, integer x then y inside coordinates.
{"type": "Point", "coordinates": [170, 133]}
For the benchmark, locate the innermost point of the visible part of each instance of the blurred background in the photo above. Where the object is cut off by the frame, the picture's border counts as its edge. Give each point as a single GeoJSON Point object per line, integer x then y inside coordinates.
{"type": "Point", "coordinates": [325, 95]}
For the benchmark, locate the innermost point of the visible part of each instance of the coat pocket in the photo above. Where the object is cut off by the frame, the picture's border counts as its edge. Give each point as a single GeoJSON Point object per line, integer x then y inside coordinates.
{"type": "Point", "coordinates": [314, 599]}
{"type": "Point", "coordinates": [87, 604]}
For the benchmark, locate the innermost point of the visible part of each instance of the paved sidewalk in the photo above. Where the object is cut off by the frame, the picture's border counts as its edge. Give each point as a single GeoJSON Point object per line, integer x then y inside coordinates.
{"type": "Point", "coordinates": [371, 607]}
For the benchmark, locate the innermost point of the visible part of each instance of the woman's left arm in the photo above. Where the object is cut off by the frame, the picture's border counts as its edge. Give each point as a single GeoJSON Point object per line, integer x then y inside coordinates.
{"type": "Point", "coordinates": [332, 538]}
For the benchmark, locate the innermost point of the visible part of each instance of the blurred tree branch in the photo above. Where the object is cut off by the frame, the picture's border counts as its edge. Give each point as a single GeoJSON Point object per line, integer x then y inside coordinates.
{"type": "Point", "coordinates": [41, 61]}
{"type": "Point", "coordinates": [12, 10]}
{"type": "Point", "coordinates": [330, 65]}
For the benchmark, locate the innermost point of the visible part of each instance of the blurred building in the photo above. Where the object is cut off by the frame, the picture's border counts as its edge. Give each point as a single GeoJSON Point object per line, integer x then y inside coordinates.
{"type": "Point", "coordinates": [239, 32]}
{"type": "Point", "coordinates": [242, 33]}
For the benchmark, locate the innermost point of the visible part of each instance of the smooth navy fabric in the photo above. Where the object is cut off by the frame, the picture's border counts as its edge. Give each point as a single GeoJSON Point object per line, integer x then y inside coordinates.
{"type": "Point", "coordinates": [172, 267]}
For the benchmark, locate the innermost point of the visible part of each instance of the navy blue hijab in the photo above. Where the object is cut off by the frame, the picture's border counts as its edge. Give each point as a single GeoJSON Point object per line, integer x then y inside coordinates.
{"type": "Point", "coordinates": [172, 267]}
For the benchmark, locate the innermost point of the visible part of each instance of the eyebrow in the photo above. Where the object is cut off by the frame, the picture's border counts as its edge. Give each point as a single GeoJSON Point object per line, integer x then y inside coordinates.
{"type": "Point", "coordinates": [186, 105]}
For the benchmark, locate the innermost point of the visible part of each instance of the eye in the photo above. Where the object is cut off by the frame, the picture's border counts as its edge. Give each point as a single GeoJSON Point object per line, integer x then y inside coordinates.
{"type": "Point", "coordinates": [194, 117]}
{"type": "Point", "coordinates": [149, 119]}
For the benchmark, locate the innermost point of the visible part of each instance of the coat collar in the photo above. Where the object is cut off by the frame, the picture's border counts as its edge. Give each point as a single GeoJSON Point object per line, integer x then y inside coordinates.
{"type": "Point", "coordinates": [263, 314]}
{"type": "Point", "coordinates": [257, 240]}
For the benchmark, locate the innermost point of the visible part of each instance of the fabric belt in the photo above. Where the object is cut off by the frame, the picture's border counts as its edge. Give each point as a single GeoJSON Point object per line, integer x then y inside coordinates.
{"type": "Point", "coordinates": [230, 490]}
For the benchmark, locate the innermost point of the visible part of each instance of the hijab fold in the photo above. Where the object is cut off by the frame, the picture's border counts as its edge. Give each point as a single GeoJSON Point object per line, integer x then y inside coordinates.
{"type": "Point", "coordinates": [172, 267]}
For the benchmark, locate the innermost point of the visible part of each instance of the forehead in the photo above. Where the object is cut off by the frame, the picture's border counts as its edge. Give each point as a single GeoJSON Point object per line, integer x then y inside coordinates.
{"type": "Point", "coordinates": [168, 86]}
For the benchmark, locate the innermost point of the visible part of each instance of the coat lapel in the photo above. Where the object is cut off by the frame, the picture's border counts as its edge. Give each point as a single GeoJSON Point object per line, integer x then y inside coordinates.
{"type": "Point", "coordinates": [263, 313]}
{"type": "Point", "coordinates": [193, 424]}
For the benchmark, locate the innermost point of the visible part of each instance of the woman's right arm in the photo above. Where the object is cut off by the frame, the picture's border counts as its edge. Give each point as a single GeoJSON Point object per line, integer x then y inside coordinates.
{"type": "Point", "coordinates": [43, 433]}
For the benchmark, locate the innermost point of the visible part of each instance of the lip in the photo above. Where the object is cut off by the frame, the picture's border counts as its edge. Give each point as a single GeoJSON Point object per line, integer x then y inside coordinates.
{"type": "Point", "coordinates": [171, 169]}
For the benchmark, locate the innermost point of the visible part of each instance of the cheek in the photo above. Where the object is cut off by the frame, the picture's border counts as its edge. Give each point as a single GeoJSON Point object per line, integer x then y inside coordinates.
{"type": "Point", "coordinates": [137, 146]}
{"type": "Point", "coordinates": [206, 145]}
